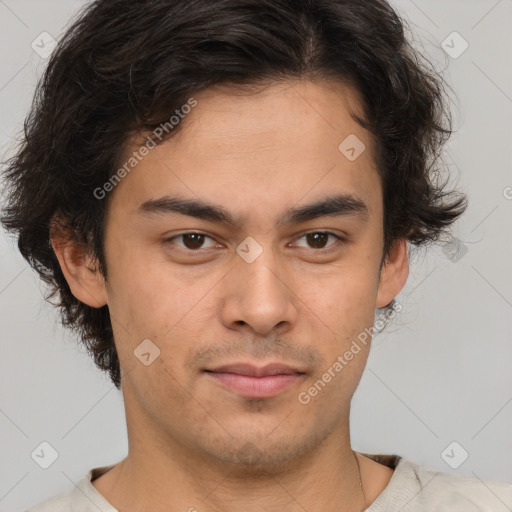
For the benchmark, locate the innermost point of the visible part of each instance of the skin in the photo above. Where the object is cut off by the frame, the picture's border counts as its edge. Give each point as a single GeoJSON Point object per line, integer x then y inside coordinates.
{"type": "Point", "coordinates": [192, 441]}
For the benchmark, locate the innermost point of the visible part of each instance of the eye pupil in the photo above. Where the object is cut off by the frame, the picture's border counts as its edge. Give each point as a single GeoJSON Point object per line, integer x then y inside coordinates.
{"type": "Point", "coordinates": [317, 240]}
{"type": "Point", "coordinates": [196, 240]}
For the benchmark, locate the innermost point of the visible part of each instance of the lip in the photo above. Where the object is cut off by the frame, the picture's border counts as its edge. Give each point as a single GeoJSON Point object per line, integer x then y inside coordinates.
{"type": "Point", "coordinates": [256, 371]}
{"type": "Point", "coordinates": [253, 381]}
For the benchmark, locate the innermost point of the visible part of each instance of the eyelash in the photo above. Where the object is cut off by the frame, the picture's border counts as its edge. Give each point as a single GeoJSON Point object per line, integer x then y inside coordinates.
{"type": "Point", "coordinates": [325, 250]}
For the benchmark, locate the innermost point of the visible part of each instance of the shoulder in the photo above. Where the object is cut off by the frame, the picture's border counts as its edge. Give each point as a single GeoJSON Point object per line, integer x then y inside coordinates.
{"type": "Point", "coordinates": [415, 488]}
{"type": "Point", "coordinates": [60, 502]}
{"type": "Point", "coordinates": [82, 498]}
{"type": "Point", "coordinates": [453, 492]}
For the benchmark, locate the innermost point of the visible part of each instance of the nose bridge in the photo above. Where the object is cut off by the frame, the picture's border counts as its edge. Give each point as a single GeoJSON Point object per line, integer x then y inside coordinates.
{"type": "Point", "coordinates": [262, 276]}
{"type": "Point", "coordinates": [260, 271]}
{"type": "Point", "coordinates": [259, 296]}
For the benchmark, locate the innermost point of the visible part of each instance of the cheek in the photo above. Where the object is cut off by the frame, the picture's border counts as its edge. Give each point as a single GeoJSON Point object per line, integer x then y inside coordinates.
{"type": "Point", "coordinates": [345, 297]}
{"type": "Point", "coordinates": [141, 291]}
{"type": "Point", "coordinates": [347, 308]}
{"type": "Point", "coordinates": [345, 302]}
{"type": "Point", "coordinates": [152, 301]}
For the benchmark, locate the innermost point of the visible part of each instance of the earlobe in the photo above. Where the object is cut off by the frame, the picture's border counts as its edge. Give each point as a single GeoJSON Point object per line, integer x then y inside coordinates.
{"type": "Point", "coordinates": [81, 272]}
{"type": "Point", "coordinates": [394, 274]}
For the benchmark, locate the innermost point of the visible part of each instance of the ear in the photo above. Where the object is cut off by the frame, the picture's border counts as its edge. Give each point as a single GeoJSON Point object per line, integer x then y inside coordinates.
{"type": "Point", "coordinates": [81, 271]}
{"type": "Point", "coordinates": [393, 274]}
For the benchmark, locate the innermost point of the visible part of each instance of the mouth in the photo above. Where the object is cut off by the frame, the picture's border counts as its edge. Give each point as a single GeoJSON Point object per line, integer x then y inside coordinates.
{"type": "Point", "coordinates": [253, 381]}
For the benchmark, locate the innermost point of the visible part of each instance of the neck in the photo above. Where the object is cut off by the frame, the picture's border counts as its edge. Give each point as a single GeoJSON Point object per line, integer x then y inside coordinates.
{"type": "Point", "coordinates": [160, 476]}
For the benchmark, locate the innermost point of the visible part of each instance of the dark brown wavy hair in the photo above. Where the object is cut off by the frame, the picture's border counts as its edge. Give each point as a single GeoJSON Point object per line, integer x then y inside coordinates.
{"type": "Point", "coordinates": [125, 66]}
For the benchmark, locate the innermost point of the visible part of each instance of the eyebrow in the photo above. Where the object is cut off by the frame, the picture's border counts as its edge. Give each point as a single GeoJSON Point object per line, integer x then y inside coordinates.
{"type": "Point", "coordinates": [331, 206]}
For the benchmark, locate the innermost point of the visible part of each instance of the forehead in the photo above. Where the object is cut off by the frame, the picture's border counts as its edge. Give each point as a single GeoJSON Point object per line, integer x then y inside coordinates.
{"type": "Point", "coordinates": [277, 145]}
{"type": "Point", "coordinates": [237, 118]}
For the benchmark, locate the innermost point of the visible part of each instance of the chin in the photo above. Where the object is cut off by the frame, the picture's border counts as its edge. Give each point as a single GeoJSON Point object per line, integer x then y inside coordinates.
{"type": "Point", "coordinates": [258, 455]}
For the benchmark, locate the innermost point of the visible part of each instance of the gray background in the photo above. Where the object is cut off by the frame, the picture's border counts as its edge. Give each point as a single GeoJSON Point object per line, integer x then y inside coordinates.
{"type": "Point", "coordinates": [439, 373]}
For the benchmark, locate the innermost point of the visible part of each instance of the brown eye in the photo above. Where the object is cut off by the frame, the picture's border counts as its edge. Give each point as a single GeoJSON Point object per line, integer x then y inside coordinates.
{"type": "Point", "coordinates": [317, 240]}
{"type": "Point", "coordinates": [192, 241]}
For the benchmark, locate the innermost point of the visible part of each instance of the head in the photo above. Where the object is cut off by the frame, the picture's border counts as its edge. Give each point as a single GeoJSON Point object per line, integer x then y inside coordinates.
{"type": "Point", "coordinates": [233, 181]}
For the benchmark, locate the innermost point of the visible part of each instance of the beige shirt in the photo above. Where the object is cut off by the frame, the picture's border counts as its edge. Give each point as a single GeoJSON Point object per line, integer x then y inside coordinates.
{"type": "Point", "coordinates": [412, 488]}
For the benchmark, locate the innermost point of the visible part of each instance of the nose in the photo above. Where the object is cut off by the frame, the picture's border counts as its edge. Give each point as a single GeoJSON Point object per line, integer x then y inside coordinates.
{"type": "Point", "coordinates": [260, 296]}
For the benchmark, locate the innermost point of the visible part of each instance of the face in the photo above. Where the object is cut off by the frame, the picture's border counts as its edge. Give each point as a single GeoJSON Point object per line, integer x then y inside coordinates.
{"type": "Point", "coordinates": [247, 249]}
